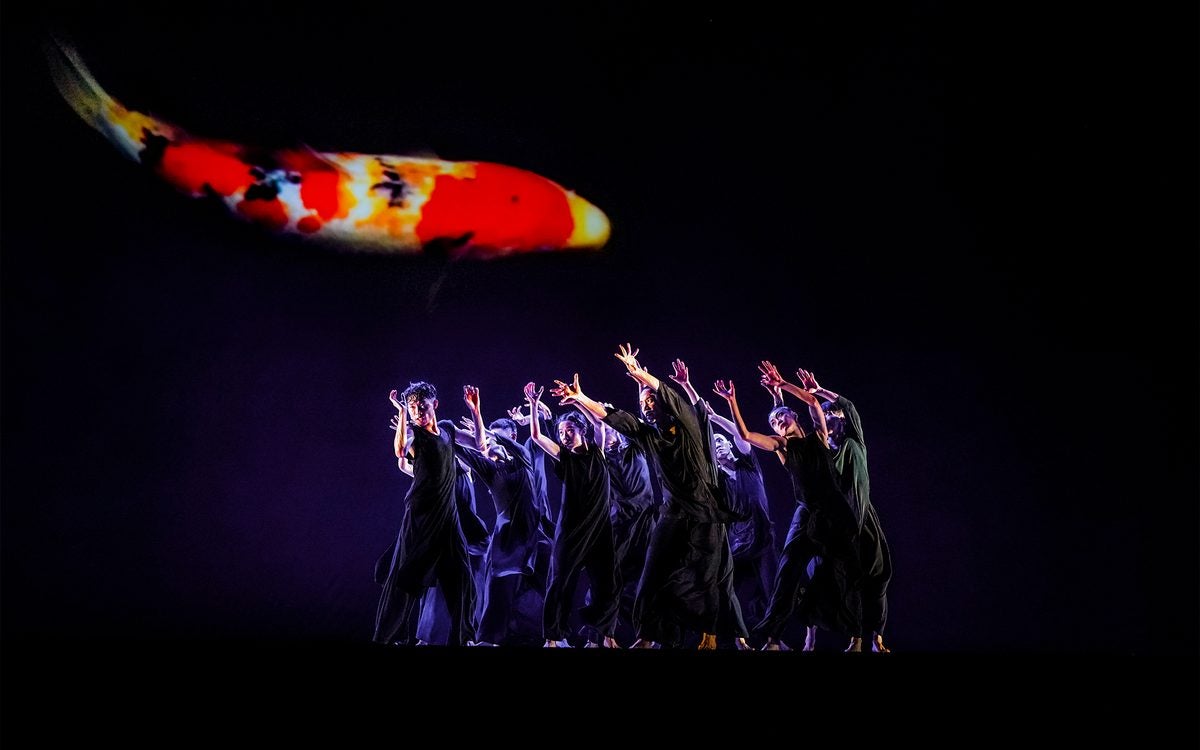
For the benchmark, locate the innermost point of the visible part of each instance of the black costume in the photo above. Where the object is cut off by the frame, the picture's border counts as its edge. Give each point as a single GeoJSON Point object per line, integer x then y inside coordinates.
{"type": "Point", "coordinates": [634, 512]}
{"type": "Point", "coordinates": [824, 532]}
{"type": "Point", "coordinates": [517, 541]}
{"type": "Point", "coordinates": [430, 547]}
{"type": "Point", "coordinates": [541, 492]}
{"type": "Point", "coordinates": [681, 585]}
{"type": "Point", "coordinates": [752, 541]}
{"type": "Point", "coordinates": [583, 539]}
{"type": "Point", "coordinates": [850, 464]}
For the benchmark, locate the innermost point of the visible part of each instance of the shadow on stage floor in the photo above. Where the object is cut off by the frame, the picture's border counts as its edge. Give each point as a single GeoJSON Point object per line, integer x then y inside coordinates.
{"type": "Point", "coordinates": [52, 690]}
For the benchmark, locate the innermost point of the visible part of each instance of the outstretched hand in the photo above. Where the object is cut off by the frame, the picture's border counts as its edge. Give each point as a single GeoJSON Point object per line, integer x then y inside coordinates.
{"type": "Point", "coordinates": [515, 415]}
{"type": "Point", "coordinates": [567, 392]}
{"type": "Point", "coordinates": [533, 394]}
{"type": "Point", "coordinates": [394, 398]}
{"type": "Point", "coordinates": [726, 392]}
{"type": "Point", "coordinates": [471, 396]}
{"type": "Point", "coordinates": [808, 381]}
{"type": "Point", "coordinates": [628, 356]}
{"type": "Point", "coordinates": [466, 425]}
{"type": "Point", "coordinates": [770, 375]}
{"type": "Point", "coordinates": [395, 422]}
{"type": "Point", "coordinates": [681, 372]}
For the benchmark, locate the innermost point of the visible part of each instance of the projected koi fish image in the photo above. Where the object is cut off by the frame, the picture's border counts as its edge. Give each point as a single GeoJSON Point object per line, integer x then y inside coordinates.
{"type": "Point", "coordinates": [364, 202]}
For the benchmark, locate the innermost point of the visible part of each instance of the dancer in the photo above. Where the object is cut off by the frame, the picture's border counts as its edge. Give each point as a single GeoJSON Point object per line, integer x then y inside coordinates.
{"type": "Point", "coordinates": [752, 542]}
{"type": "Point", "coordinates": [732, 623]}
{"type": "Point", "coordinates": [822, 528]}
{"type": "Point", "coordinates": [430, 547]}
{"type": "Point", "coordinates": [633, 508]}
{"type": "Point", "coordinates": [507, 429]}
{"type": "Point", "coordinates": [679, 587]}
{"type": "Point", "coordinates": [517, 544]}
{"type": "Point", "coordinates": [850, 463]}
{"type": "Point", "coordinates": [583, 537]}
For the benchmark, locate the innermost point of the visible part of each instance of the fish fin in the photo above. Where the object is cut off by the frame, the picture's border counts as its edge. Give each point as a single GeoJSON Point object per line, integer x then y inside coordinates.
{"type": "Point", "coordinates": [315, 155]}
{"type": "Point", "coordinates": [304, 158]}
{"type": "Point", "coordinates": [448, 248]}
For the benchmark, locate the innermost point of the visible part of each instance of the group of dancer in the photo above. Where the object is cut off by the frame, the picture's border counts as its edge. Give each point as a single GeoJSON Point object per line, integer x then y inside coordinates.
{"type": "Point", "coordinates": [698, 563]}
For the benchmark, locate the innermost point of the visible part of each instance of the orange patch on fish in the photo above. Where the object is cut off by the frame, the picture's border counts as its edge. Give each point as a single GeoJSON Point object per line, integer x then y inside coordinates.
{"type": "Point", "coordinates": [136, 123]}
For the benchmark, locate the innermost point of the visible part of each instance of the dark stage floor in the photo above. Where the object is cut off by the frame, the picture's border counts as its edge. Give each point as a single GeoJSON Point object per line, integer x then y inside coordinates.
{"type": "Point", "coordinates": [262, 690]}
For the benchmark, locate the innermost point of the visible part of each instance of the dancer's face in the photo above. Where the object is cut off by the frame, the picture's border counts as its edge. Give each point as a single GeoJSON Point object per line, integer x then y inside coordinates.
{"type": "Point", "coordinates": [784, 423]}
{"type": "Point", "coordinates": [722, 448]}
{"type": "Point", "coordinates": [648, 402]}
{"type": "Point", "coordinates": [835, 424]}
{"type": "Point", "coordinates": [422, 412]}
{"type": "Point", "coordinates": [569, 435]}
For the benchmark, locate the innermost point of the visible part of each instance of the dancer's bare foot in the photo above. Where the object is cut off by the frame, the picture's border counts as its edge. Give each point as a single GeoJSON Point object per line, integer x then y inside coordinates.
{"type": "Point", "coordinates": [421, 643]}
{"type": "Point", "coordinates": [708, 642]}
{"type": "Point", "coordinates": [810, 639]}
{"type": "Point", "coordinates": [607, 642]}
{"type": "Point", "coordinates": [741, 645]}
{"type": "Point", "coordinates": [644, 643]}
{"type": "Point", "coordinates": [855, 645]}
{"type": "Point", "coordinates": [481, 643]}
{"type": "Point", "coordinates": [774, 644]}
{"type": "Point", "coordinates": [556, 644]}
{"type": "Point", "coordinates": [877, 645]}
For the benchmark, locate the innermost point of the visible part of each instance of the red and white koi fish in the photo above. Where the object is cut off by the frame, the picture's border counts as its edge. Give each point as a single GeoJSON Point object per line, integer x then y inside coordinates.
{"type": "Point", "coordinates": [395, 204]}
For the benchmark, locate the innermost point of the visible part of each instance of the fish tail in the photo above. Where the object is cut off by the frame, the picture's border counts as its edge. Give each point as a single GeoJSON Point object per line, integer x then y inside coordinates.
{"type": "Point", "coordinates": [126, 129]}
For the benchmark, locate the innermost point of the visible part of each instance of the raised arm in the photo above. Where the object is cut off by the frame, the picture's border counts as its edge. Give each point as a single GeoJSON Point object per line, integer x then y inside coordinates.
{"type": "Point", "coordinates": [533, 395]}
{"type": "Point", "coordinates": [853, 428]}
{"type": "Point", "coordinates": [598, 427]}
{"type": "Point", "coordinates": [628, 356]}
{"type": "Point", "coordinates": [757, 439]}
{"type": "Point", "coordinates": [401, 441]}
{"type": "Point", "coordinates": [545, 419]}
{"type": "Point", "coordinates": [808, 381]}
{"type": "Point", "coordinates": [570, 393]}
{"type": "Point", "coordinates": [471, 396]}
{"type": "Point", "coordinates": [772, 377]}
{"type": "Point", "coordinates": [742, 444]}
{"type": "Point", "coordinates": [404, 463]}
{"type": "Point", "coordinates": [681, 376]}
{"type": "Point", "coordinates": [776, 394]}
